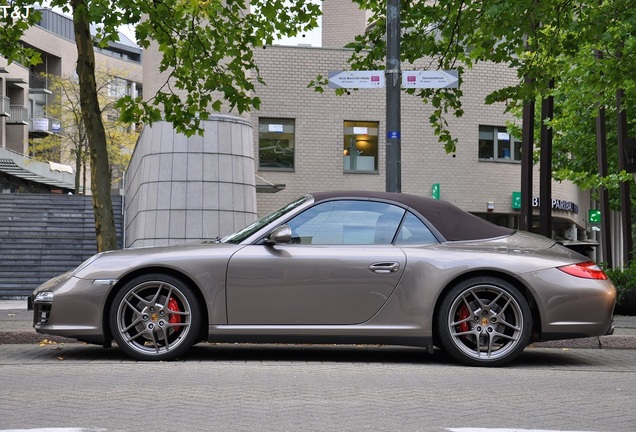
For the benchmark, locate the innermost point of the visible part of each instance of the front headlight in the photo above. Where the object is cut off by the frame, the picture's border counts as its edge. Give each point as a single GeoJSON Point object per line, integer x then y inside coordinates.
{"type": "Point", "coordinates": [44, 297]}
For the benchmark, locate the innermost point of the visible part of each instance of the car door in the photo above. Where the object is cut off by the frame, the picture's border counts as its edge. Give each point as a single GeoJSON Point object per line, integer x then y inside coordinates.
{"type": "Point", "coordinates": [340, 268]}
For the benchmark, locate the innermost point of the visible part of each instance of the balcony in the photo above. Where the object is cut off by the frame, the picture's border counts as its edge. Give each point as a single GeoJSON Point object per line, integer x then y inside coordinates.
{"type": "Point", "coordinates": [38, 82]}
{"type": "Point", "coordinates": [42, 126]}
{"type": "Point", "coordinates": [39, 90]}
{"type": "Point", "coordinates": [4, 106]}
{"type": "Point", "coordinates": [19, 114]}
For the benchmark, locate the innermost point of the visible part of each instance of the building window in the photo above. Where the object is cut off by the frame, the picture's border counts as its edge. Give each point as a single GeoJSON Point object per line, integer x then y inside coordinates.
{"type": "Point", "coordinates": [495, 143]}
{"type": "Point", "coordinates": [361, 146]}
{"type": "Point", "coordinates": [276, 143]}
{"type": "Point", "coordinates": [119, 87]}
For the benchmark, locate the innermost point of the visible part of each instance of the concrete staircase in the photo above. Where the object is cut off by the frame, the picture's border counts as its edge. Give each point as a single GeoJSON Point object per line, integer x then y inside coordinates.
{"type": "Point", "coordinates": [44, 235]}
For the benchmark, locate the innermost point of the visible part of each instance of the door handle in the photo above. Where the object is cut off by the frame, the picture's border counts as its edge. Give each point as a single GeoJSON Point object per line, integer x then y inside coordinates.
{"type": "Point", "coordinates": [385, 267]}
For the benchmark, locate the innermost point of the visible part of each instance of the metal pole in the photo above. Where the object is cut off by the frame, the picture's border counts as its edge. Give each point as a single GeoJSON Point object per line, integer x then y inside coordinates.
{"type": "Point", "coordinates": [393, 102]}
{"type": "Point", "coordinates": [601, 154]}
{"type": "Point", "coordinates": [603, 193]}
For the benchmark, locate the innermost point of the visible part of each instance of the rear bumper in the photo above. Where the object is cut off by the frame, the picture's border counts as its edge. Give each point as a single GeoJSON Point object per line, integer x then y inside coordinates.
{"type": "Point", "coordinates": [571, 307]}
{"type": "Point", "coordinates": [610, 331]}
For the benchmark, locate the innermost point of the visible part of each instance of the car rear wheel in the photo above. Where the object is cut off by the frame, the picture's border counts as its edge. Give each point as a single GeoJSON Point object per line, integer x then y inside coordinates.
{"type": "Point", "coordinates": [484, 322]}
{"type": "Point", "coordinates": [155, 317]}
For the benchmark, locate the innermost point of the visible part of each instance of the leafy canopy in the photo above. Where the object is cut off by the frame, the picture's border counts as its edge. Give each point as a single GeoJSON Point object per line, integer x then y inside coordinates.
{"type": "Point", "coordinates": [542, 40]}
{"type": "Point", "coordinates": [206, 46]}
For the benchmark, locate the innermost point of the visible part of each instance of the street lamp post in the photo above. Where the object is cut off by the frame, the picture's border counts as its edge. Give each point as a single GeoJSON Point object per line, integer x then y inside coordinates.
{"type": "Point", "coordinates": [393, 102]}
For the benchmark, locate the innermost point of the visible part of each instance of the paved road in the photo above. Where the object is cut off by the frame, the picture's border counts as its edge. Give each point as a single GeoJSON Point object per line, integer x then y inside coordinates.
{"type": "Point", "coordinates": [310, 388]}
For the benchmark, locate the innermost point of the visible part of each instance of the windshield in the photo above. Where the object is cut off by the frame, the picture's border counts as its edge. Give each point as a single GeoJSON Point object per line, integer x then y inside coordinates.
{"type": "Point", "coordinates": [241, 235]}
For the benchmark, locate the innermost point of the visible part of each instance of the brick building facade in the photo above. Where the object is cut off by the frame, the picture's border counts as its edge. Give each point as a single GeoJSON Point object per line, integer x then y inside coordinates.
{"type": "Point", "coordinates": [310, 141]}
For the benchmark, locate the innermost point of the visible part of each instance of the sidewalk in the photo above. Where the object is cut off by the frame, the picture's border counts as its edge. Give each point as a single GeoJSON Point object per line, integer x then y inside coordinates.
{"type": "Point", "coordinates": [16, 326]}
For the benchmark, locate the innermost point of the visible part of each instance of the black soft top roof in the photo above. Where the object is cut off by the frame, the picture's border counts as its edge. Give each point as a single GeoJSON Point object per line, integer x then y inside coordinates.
{"type": "Point", "coordinates": [451, 222]}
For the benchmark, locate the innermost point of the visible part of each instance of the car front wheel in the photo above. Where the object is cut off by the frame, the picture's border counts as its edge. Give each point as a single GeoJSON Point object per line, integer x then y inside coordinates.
{"type": "Point", "coordinates": [155, 317]}
{"type": "Point", "coordinates": [484, 322]}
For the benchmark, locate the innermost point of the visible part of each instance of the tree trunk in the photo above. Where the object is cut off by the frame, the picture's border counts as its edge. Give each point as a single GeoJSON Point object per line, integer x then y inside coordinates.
{"type": "Point", "coordinates": [626, 202]}
{"type": "Point", "coordinates": [527, 145]}
{"type": "Point", "coordinates": [91, 114]}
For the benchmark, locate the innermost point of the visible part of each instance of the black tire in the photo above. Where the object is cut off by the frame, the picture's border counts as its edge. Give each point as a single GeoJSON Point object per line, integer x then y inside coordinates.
{"type": "Point", "coordinates": [484, 321]}
{"type": "Point", "coordinates": [155, 317]}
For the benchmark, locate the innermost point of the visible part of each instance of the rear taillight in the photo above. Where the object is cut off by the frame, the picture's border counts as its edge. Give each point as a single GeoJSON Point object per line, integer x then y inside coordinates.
{"type": "Point", "coordinates": [586, 270]}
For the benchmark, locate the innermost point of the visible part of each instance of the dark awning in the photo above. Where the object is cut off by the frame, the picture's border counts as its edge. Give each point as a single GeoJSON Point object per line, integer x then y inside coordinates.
{"type": "Point", "coordinates": [8, 166]}
{"type": "Point", "coordinates": [267, 186]}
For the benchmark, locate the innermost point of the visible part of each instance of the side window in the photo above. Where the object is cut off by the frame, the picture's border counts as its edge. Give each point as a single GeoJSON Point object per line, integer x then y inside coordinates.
{"type": "Point", "coordinates": [347, 222]}
{"type": "Point", "coordinates": [414, 232]}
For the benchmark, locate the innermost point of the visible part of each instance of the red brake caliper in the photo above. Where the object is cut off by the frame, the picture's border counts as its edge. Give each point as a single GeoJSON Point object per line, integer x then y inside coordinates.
{"type": "Point", "coordinates": [174, 318]}
{"type": "Point", "coordinates": [463, 314]}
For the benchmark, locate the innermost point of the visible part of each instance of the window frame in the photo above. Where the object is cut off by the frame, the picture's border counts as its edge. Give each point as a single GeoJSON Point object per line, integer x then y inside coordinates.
{"type": "Point", "coordinates": [514, 145]}
{"type": "Point", "coordinates": [373, 139]}
{"type": "Point", "coordinates": [290, 136]}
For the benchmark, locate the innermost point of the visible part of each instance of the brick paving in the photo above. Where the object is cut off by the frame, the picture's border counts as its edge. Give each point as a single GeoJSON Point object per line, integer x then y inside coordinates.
{"type": "Point", "coordinates": [583, 385]}
{"type": "Point", "coordinates": [308, 388]}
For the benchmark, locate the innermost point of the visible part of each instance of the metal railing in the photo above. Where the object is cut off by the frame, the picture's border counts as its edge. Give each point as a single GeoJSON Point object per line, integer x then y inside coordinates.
{"type": "Point", "coordinates": [19, 114]}
{"type": "Point", "coordinates": [38, 81]}
{"type": "Point", "coordinates": [4, 106]}
{"type": "Point", "coordinates": [44, 124]}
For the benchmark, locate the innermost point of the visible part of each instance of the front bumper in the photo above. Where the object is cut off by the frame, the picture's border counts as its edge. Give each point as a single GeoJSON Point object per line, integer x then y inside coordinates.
{"type": "Point", "coordinates": [71, 307]}
{"type": "Point", "coordinates": [41, 314]}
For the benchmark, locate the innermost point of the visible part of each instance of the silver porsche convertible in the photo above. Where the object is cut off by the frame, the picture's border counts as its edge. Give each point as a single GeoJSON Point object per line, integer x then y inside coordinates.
{"type": "Point", "coordinates": [338, 268]}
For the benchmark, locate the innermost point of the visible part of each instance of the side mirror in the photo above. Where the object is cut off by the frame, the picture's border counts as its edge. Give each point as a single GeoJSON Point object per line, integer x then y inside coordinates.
{"type": "Point", "coordinates": [280, 235]}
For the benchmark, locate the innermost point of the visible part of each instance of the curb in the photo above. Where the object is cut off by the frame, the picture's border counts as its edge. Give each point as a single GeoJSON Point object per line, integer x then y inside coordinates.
{"type": "Point", "coordinates": [26, 337]}
{"type": "Point", "coordinates": [601, 342]}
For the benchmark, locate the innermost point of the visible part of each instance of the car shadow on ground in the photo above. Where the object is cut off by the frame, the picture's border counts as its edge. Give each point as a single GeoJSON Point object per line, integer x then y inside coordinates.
{"type": "Point", "coordinates": [212, 352]}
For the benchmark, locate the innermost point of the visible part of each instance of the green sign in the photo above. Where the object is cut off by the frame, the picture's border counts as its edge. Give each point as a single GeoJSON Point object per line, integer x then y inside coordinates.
{"type": "Point", "coordinates": [594, 216]}
{"type": "Point", "coordinates": [516, 200]}
{"type": "Point", "coordinates": [436, 191]}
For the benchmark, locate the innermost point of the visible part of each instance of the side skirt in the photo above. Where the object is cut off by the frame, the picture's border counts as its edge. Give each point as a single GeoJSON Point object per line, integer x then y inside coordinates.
{"type": "Point", "coordinates": [407, 336]}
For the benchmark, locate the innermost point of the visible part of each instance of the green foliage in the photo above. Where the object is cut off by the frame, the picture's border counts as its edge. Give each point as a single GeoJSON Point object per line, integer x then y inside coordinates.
{"type": "Point", "coordinates": [624, 279]}
{"type": "Point", "coordinates": [15, 18]}
{"type": "Point", "coordinates": [587, 46]}
{"type": "Point", "coordinates": [207, 48]}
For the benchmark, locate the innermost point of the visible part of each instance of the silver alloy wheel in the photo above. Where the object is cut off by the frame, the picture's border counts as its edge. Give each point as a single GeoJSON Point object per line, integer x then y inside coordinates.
{"type": "Point", "coordinates": [154, 319]}
{"type": "Point", "coordinates": [486, 322]}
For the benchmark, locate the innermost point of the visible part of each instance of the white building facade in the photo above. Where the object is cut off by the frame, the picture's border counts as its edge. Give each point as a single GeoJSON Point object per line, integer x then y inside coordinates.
{"type": "Point", "coordinates": [26, 91]}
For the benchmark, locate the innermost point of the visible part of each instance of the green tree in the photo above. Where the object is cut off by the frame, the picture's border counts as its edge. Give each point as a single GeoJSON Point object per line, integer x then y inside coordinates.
{"type": "Point", "coordinates": [587, 82]}
{"type": "Point", "coordinates": [71, 143]}
{"type": "Point", "coordinates": [207, 48]}
{"type": "Point", "coordinates": [540, 39]}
